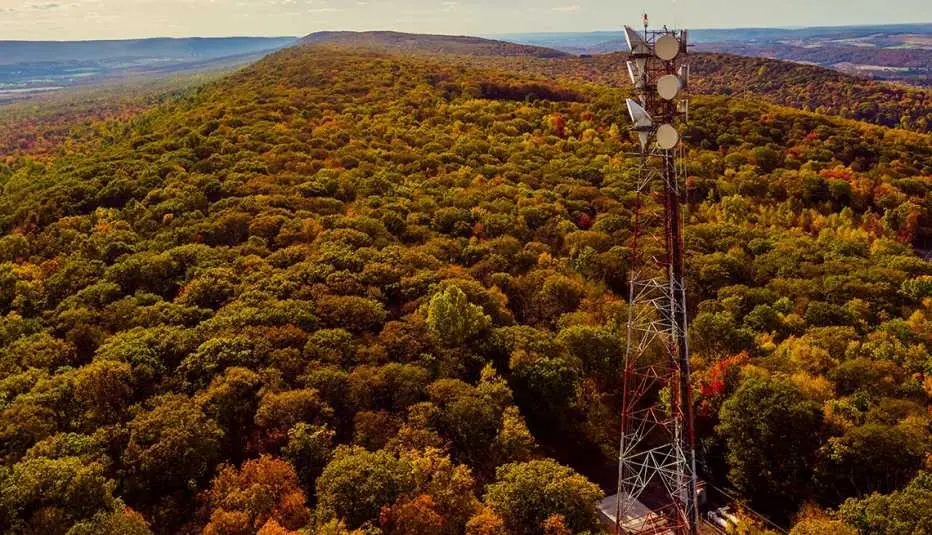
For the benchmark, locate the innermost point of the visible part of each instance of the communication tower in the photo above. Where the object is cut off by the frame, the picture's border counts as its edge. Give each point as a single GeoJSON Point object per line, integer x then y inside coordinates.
{"type": "Point", "coordinates": [656, 462]}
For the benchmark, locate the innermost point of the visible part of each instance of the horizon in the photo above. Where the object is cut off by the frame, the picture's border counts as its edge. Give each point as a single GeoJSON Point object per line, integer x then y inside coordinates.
{"type": "Point", "coordinates": [484, 36]}
{"type": "Point", "coordinates": [96, 20]}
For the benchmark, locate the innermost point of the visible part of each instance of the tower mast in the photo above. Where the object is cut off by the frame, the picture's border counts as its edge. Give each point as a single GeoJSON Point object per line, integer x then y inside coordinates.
{"type": "Point", "coordinates": [656, 463]}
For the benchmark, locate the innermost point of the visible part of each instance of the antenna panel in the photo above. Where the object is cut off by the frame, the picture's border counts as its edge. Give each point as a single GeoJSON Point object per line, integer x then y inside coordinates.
{"type": "Point", "coordinates": [639, 115]}
{"type": "Point", "coordinates": [636, 43]}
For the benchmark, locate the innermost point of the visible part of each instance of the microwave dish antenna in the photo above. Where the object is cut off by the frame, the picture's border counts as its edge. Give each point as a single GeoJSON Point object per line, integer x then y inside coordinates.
{"type": "Point", "coordinates": [669, 86]}
{"type": "Point", "coordinates": [667, 47]}
{"type": "Point", "coordinates": [667, 137]}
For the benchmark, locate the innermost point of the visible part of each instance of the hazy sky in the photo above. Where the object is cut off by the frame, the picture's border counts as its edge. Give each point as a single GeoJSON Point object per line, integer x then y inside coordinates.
{"type": "Point", "coordinates": [113, 19]}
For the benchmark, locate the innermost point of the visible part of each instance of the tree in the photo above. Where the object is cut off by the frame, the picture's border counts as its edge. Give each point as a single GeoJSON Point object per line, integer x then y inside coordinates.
{"type": "Point", "coordinates": [454, 319]}
{"type": "Point", "coordinates": [867, 459]}
{"type": "Point", "coordinates": [170, 445]}
{"type": "Point", "coordinates": [373, 429]}
{"type": "Point", "coordinates": [261, 490]}
{"type": "Point", "coordinates": [278, 412]}
{"type": "Point", "coordinates": [309, 449]}
{"type": "Point", "coordinates": [412, 517]}
{"type": "Point", "coordinates": [718, 335]}
{"type": "Point", "coordinates": [333, 346]}
{"type": "Point", "coordinates": [486, 522]}
{"type": "Point", "coordinates": [514, 441]}
{"type": "Point", "coordinates": [771, 434]}
{"type": "Point", "coordinates": [450, 487]}
{"type": "Point", "coordinates": [547, 387]}
{"type": "Point", "coordinates": [904, 512]}
{"type": "Point", "coordinates": [209, 289]}
{"type": "Point", "coordinates": [231, 400]}
{"type": "Point", "coordinates": [813, 521]}
{"type": "Point", "coordinates": [357, 483]}
{"type": "Point", "coordinates": [50, 495]}
{"type": "Point", "coordinates": [217, 354]}
{"type": "Point", "coordinates": [104, 387]}
{"type": "Point", "coordinates": [599, 351]}
{"type": "Point", "coordinates": [355, 314]}
{"type": "Point", "coordinates": [120, 522]}
{"type": "Point", "coordinates": [527, 494]}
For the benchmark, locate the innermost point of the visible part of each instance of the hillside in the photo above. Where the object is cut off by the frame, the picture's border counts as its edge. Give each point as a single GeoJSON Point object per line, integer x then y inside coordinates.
{"type": "Point", "coordinates": [349, 289]}
{"type": "Point", "coordinates": [39, 124]}
{"type": "Point", "coordinates": [815, 89]}
{"type": "Point", "coordinates": [804, 87]}
{"type": "Point", "coordinates": [432, 44]}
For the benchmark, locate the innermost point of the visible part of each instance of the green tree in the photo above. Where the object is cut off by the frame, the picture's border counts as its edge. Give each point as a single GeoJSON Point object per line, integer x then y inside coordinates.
{"type": "Point", "coordinates": [454, 319]}
{"type": "Point", "coordinates": [51, 495]}
{"type": "Point", "coordinates": [309, 449]}
{"type": "Point", "coordinates": [527, 494]}
{"type": "Point", "coordinates": [357, 483]}
{"type": "Point", "coordinates": [170, 445]}
{"type": "Point", "coordinates": [903, 512]}
{"type": "Point", "coordinates": [870, 458]}
{"type": "Point", "coordinates": [771, 433]}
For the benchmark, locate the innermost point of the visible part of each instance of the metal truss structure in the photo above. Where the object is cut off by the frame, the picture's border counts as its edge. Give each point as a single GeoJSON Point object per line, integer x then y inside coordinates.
{"type": "Point", "coordinates": [656, 463]}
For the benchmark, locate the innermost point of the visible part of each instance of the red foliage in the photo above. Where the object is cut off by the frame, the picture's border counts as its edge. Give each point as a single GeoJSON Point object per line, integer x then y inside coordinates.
{"type": "Point", "coordinates": [714, 383]}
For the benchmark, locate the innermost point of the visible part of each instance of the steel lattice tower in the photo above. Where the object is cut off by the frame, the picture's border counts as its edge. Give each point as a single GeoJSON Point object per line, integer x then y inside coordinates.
{"type": "Point", "coordinates": [656, 463]}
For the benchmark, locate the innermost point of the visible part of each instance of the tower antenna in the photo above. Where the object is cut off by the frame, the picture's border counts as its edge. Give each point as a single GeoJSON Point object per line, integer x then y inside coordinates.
{"type": "Point", "coordinates": [657, 483]}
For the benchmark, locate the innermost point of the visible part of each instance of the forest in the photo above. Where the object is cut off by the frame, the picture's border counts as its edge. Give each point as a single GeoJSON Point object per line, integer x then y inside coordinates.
{"type": "Point", "coordinates": [805, 87]}
{"type": "Point", "coordinates": [349, 291]}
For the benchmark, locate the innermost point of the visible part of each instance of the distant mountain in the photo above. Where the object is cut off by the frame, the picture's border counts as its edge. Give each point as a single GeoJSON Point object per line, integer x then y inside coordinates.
{"type": "Point", "coordinates": [614, 41]}
{"type": "Point", "coordinates": [901, 52]}
{"type": "Point", "coordinates": [29, 67]}
{"type": "Point", "coordinates": [439, 44]}
{"type": "Point", "coordinates": [189, 49]}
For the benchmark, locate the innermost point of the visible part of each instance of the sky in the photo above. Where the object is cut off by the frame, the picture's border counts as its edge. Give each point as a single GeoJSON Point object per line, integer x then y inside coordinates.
{"type": "Point", "coordinates": [120, 19]}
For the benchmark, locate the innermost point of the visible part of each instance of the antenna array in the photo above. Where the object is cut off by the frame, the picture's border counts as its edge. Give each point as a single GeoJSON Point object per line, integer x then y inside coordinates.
{"type": "Point", "coordinates": [656, 463]}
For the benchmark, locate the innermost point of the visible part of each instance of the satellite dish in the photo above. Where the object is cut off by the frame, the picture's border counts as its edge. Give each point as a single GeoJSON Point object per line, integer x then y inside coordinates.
{"type": "Point", "coordinates": [636, 43]}
{"type": "Point", "coordinates": [667, 137]}
{"type": "Point", "coordinates": [668, 86]}
{"type": "Point", "coordinates": [639, 115]}
{"type": "Point", "coordinates": [667, 47]}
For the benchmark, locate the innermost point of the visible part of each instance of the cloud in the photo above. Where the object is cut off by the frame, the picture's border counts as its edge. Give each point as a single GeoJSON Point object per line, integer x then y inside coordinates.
{"type": "Point", "coordinates": [567, 9]}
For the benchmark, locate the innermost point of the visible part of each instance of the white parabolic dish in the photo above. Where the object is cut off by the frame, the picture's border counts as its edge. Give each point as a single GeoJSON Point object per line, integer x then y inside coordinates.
{"type": "Point", "coordinates": [667, 136]}
{"type": "Point", "coordinates": [667, 48]}
{"type": "Point", "coordinates": [668, 86]}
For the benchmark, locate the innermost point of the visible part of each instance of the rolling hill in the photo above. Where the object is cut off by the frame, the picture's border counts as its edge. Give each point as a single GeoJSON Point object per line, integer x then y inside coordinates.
{"type": "Point", "coordinates": [437, 44]}
{"type": "Point", "coordinates": [805, 87]}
